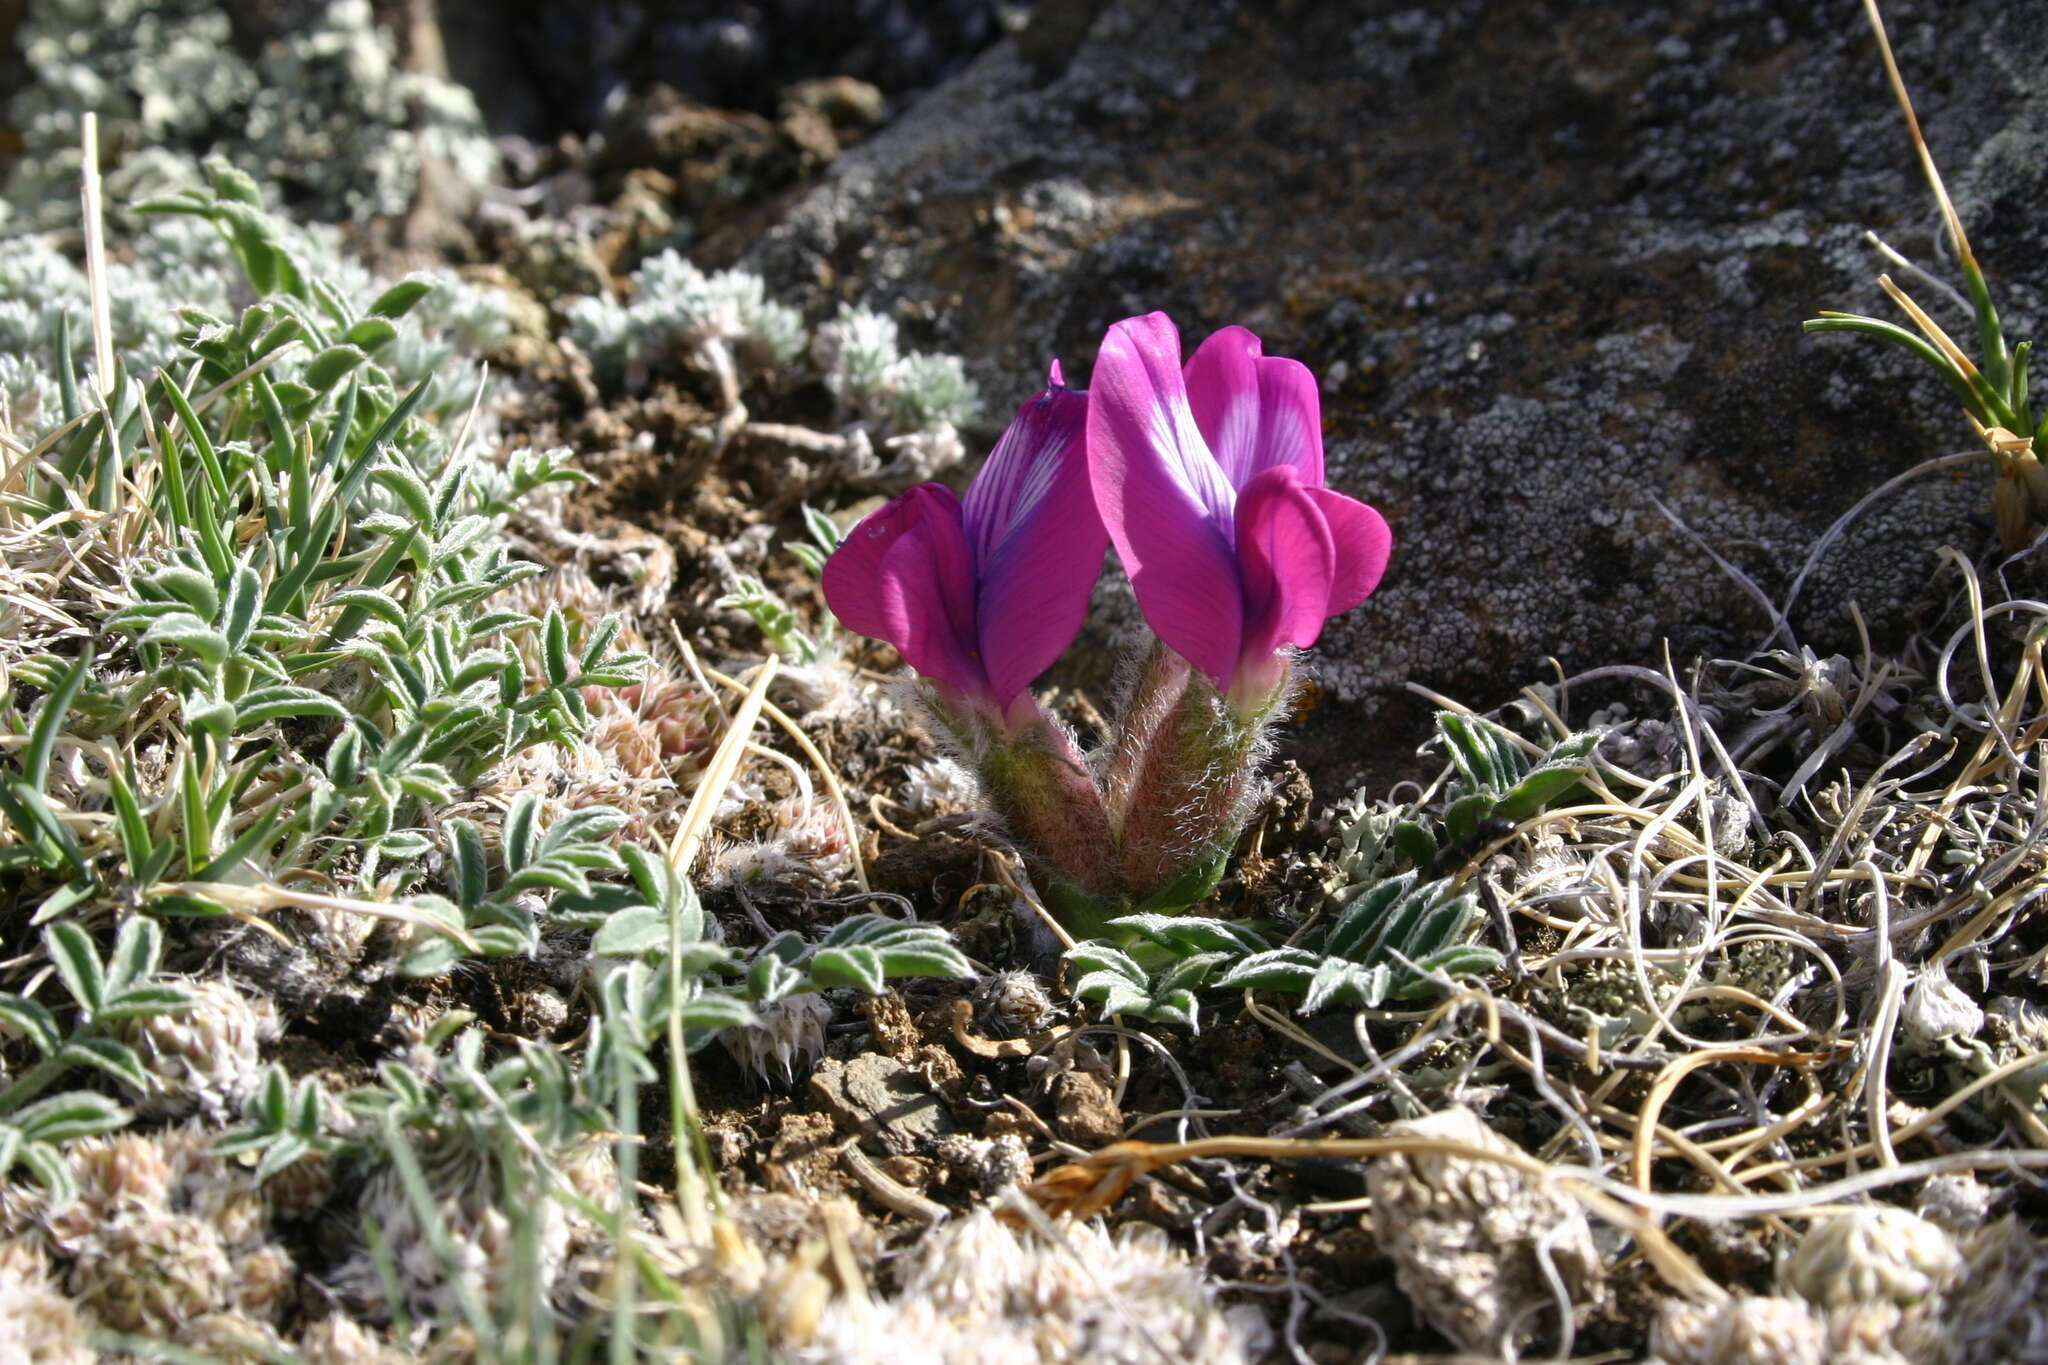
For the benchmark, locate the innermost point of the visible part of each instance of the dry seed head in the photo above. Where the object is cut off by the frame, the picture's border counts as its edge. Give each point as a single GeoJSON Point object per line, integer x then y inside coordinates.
{"type": "Point", "coordinates": [1013, 1004]}
{"type": "Point", "coordinates": [1871, 1255]}
{"type": "Point", "coordinates": [977, 1292]}
{"type": "Point", "coordinates": [1470, 1238]}
{"type": "Point", "coordinates": [1997, 1309]}
{"type": "Point", "coordinates": [230, 1338]}
{"type": "Point", "coordinates": [151, 1272]}
{"type": "Point", "coordinates": [483, 1238]}
{"type": "Point", "coordinates": [806, 847]}
{"type": "Point", "coordinates": [658, 727]}
{"type": "Point", "coordinates": [938, 786]}
{"type": "Point", "coordinates": [205, 1059]}
{"type": "Point", "coordinates": [339, 1340]}
{"type": "Point", "coordinates": [124, 1173]}
{"type": "Point", "coordinates": [38, 1326]}
{"type": "Point", "coordinates": [265, 1282]}
{"type": "Point", "coordinates": [1936, 1008]}
{"type": "Point", "coordinates": [987, 1166]}
{"type": "Point", "coordinates": [1743, 1331]}
{"type": "Point", "coordinates": [1959, 1202]}
{"type": "Point", "coordinates": [302, 1188]}
{"type": "Point", "coordinates": [787, 1038]}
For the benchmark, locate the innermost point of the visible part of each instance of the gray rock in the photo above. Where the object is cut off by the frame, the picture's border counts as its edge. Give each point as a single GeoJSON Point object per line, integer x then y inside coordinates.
{"type": "Point", "coordinates": [893, 1108]}
{"type": "Point", "coordinates": [1550, 261]}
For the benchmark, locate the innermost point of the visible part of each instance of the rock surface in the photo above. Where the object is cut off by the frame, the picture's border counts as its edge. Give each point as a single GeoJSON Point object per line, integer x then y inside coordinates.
{"type": "Point", "coordinates": [1550, 261]}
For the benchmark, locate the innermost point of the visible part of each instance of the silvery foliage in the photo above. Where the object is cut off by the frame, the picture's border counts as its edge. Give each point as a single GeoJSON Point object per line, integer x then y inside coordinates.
{"type": "Point", "coordinates": [868, 372]}
{"type": "Point", "coordinates": [674, 308]}
{"type": "Point", "coordinates": [182, 267]}
{"type": "Point", "coordinates": [326, 113]}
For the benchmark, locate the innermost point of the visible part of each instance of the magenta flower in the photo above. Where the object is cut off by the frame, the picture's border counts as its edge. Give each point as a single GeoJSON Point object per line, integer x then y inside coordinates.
{"type": "Point", "coordinates": [981, 596]}
{"type": "Point", "coordinates": [1210, 481]}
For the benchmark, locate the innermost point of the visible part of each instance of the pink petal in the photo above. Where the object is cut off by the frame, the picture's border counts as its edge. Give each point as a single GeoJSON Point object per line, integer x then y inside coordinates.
{"type": "Point", "coordinates": [1139, 365]}
{"type": "Point", "coordinates": [906, 575]}
{"type": "Point", "coordinates": [1038, 540]}
{"type": "Point", "coordinates": [1255, 411]}
{"type": "Point", "coordinates": [1288, 559]}
{"type": "Point", "coordinates": [1363, 545]}
{"type": "Point", "coordinates": [1163, 500]}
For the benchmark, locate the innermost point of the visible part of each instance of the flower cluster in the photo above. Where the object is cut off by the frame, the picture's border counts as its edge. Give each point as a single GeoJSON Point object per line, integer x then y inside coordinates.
{"type": "Point", "coordinates": [1208, 479]}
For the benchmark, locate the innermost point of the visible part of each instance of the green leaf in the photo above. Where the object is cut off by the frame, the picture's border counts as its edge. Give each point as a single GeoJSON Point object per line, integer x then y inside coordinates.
{"type": "Point", "coordinates": [470, 866]}
{"type": "Point", "coordinates": [715, 1011]}
{"type": "Point", "coordinates": [52, 1172]}
{"type": "Point", "coordinates": [1188, 934]}
{"type": "Point", "coordinates": [104, 1054]}
{"type": "Point", "coordinates": [632, 932]}
{"type": "Point", "coordinates": [519, 833]}
{"type": "Point", "coordinates": [1335, 980]}
{"type": "Point", "coordinates": [432, 957]}
{"type": "Point", "coordinates": [137, 948]}
{"type": "Point", "coordinates": [770, 978]}
{"type": "Point", "coordinates": [1415, 843]}
{"type": "Point", "coordinates": [409, 489]}
{"type": "Point", "coordinates": [281, 1154]}
{"type": "Point", "coordinates": [555, 648]}
{"type": "Point", "coordinates": [75, 1114]}
{"type": "Point", "coordinates": [925, 957]}
{"type": "Point", "coordinates": [860, 968]}
{"type": "Point", "coordinates": [501, 940]}
{"type": "Point", "coordinates": [78, 963]}
{"type": "Point", "coordinates": [136, 842]}
{"type": "Point", "coordinates": [1278, 969]}
{"type": "Point", "coordinates": [400, 298]}
{"type": "Point", "coordinates": [1563, 770]}
{"type": "Point", "coordinates": [331, 366]}
{"type": "Point", "coordinates": [371, 333]}
{"type": "Point", "coordinates": [31, 1020]}
{"type": "Point", "coordinates": [282, 702]}
{"type": "Point", "coordinates": [191, 634]}
{"type": "Point", "coordinates": [245, 604]}
{"type": "Point", "coordinates": [188, 585]}
{"type": "Point", "coordinates": [49, 722]}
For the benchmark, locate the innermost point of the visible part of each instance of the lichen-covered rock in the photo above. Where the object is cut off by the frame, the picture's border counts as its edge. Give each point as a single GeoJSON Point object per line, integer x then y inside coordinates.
{"type": "Point", "coordinates": [1469, 1237]}
{"type": "Point", "coordinates": [1537, 306]}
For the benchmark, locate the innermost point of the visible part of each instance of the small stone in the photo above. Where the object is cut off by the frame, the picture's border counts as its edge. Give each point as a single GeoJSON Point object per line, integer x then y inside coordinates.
{"type": "Point", "coordinates": [1085, 1109]}
{"type": "Point", "coordinates": [989, 1165]}
{"type": "Point", "coordinates": [893, 1108]}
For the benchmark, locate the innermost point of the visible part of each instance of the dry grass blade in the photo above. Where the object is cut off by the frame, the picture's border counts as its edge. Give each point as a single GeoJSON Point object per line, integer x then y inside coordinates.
{"type": "Point", "coordinates": [718, 774]}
